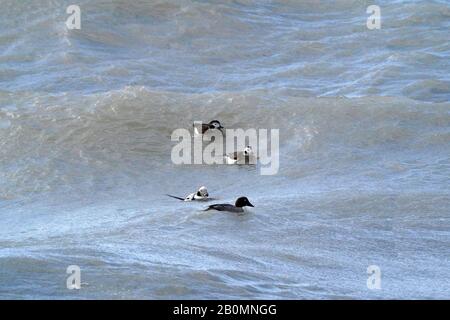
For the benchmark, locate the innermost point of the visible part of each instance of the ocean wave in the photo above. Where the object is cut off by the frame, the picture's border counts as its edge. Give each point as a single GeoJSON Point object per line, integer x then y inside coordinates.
{"type": "Point", "coordinates": [62, 140]}
{"type": "Point", "coordinates": [302, 47]}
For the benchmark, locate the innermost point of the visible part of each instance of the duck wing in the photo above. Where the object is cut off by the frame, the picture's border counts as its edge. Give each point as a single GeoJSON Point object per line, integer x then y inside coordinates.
{"type": "Point", "coordinates": [205, 127]}
{"type": "Point", "coordinates": [219, 207]}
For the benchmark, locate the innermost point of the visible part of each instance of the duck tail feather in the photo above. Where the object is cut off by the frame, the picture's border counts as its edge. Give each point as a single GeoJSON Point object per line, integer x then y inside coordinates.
{"type": "Point", "coordinates": [175, 197]}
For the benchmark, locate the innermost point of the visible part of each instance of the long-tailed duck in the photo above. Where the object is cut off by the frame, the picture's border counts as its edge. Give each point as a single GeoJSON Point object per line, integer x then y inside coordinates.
{"type": "Point", "coordinates": [213, 125]}
{"type": "Point", "coordinates": [242, 157]}
{"type": "Point", "coordinates": [201, 194]}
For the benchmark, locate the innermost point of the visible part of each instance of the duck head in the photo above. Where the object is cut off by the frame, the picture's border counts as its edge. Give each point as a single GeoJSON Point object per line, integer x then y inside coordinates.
{"type": "Point", "coordinates": [243, 202]}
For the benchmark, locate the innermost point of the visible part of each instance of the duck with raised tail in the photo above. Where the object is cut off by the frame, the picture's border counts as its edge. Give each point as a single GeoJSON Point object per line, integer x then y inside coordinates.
{"type": "Point", "coordinates": [201, 194]}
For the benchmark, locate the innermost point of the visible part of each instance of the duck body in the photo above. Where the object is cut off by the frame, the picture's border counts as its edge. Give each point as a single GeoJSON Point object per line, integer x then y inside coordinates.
{"type": "Point", "coordinates": [196, 196]}
{"type": "Point", "coordinates": [225, 207]}
{"type": "Point", "coordinates": [241, 157]}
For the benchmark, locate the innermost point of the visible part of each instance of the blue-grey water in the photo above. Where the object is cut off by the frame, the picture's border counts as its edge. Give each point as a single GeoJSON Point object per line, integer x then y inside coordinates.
{"type": "Point", "coordinates": [85, 151]}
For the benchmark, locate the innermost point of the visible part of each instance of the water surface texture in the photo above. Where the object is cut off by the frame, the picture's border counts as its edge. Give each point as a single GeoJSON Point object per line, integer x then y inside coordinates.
{"type": "Point", "coordinates": [85, 152]}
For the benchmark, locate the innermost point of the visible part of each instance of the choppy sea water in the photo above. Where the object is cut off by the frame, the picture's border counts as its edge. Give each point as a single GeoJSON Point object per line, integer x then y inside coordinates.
{"type": "Point", "coordinates": [85, 152]}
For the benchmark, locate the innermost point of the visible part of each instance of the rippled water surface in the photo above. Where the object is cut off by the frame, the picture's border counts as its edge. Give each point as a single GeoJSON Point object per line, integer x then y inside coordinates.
{"type": "Point", "coordinates": [85, 151]}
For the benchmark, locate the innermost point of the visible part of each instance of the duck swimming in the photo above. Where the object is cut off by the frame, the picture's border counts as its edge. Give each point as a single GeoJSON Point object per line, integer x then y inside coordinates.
{"type": "Point", "coordinates": [242, 157]}
{"type": "Point", "coordinates": [238, 207]}
{"type": "Point", "coordinates": [201, 194]}
{"type": "Point", "coordinates": [213, 125]}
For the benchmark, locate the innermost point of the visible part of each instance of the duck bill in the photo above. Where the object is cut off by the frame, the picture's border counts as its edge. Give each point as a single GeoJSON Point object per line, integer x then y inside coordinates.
{"type": "Point", "coordinates": [250, 205]}
{"type": "Point", "coordinates": [221, 129]}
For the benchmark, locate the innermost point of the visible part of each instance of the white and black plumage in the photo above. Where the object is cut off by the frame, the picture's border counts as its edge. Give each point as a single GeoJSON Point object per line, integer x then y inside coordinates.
{"type": "Point", "coordinates": [238, 207]}
{"type": "Point", "coordinates": [201, 194]}
{"type": "Point", "coordinates": [242, 157]}
{"type": "Point", "coordinates": [213, 125]}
